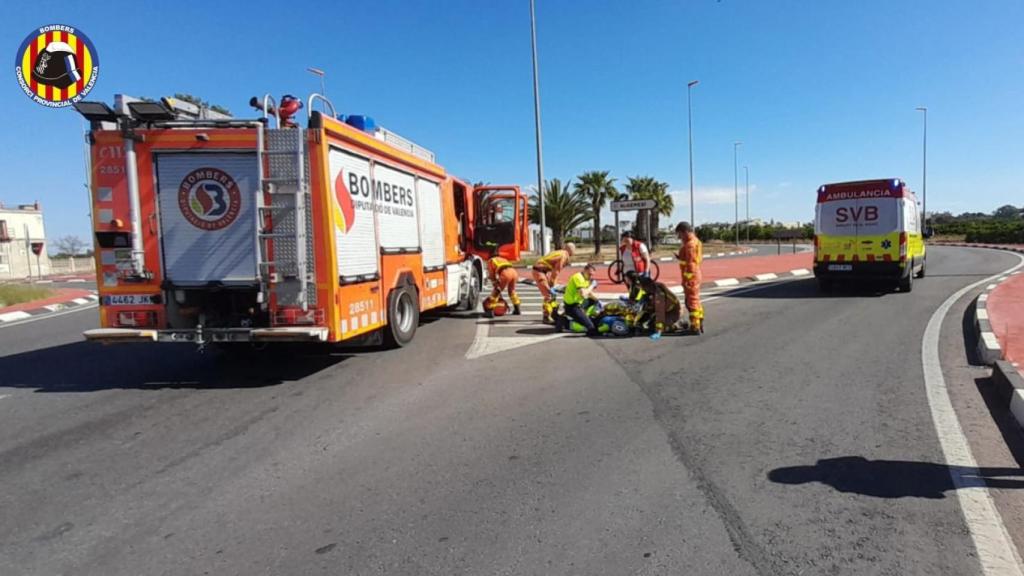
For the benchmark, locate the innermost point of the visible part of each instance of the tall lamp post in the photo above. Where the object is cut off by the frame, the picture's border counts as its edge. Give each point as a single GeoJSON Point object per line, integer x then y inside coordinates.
{"type": "Point", "coordinates": [321, 74]}
{"type": "Point", "coordinates": [689, 129]}
{"type": "Point", "coordinates": [736, 185]}
{"type": "Point", "coordinates": [924, 170]}
{"type": "Point", "coordinates": [540, 148]}
{"type": "Point", "coordinates": [746, 175]}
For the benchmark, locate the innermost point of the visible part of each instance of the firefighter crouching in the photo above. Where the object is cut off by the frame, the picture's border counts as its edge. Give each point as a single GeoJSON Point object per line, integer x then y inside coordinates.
{"type": "Point", "coordinates": [545, 274]}
{"type": "Point", "coordinates": [690, 256]}
{"type": "Point", "coordinates": [503, 278]}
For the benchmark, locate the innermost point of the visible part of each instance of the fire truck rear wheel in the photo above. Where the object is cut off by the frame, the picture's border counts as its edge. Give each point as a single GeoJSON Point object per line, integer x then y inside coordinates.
{"type": "Point", "coordinates": [403, 317]}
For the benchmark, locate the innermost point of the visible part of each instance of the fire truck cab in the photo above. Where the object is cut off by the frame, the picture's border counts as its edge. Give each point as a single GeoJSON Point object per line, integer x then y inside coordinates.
{"type": "Point", "coordinates": [212, 229]}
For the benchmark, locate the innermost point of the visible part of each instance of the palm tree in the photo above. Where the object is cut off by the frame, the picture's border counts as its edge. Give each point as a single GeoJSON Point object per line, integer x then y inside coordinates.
{"type": "Point", "coordinates": [598, 188]}
{"type": "Point", "coordinates": [564, 209]}
{"type": "Point", "coordinates": [647, 188]}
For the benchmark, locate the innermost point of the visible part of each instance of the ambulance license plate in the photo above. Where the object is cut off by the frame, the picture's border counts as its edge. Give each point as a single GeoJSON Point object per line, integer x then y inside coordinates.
{"type": "Point", "coordinates": [129, 299]}
{"type": "Point", "coordinates": [840, 267]}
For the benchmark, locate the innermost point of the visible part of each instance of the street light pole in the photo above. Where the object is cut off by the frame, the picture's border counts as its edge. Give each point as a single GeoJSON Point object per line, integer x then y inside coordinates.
{"type": "Point", "coordinates": [689, 129]}
{"type": "Point", "coordinates": [924, 171]}
{"type": "Point", "coordinates": [321, 74]}
{"type": "Point", "coordinates": [736, 186]}
{"type": "Point", "coordinates": [746, 174]}
{"type": "Point", "coordinates": [540, 148]}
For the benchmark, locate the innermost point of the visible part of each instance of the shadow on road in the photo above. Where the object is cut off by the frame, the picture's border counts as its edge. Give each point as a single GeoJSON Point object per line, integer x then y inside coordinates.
{"type": "Point", "coordinates": [896, 478]}
{"type": "Point", "coordinates": [808, 288]}
{"type": "Point", "coordinates": [88, 367]}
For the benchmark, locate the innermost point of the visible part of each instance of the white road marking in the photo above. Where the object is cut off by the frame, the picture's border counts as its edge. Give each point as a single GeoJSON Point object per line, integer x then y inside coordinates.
{"type": "Point", "coordinates": [80, 301]}
{"type": "Point", "coordinates": [74, 310]}
{"type": "Point", "coordinates": [77, 280]}
{"type": "Point", "coordinates": [982, 313]}
{"type": "Point", "coordinates": [996, 551]}
{"type": "Point", "coordinates": [769, 276]}
{"type": "Point", "coordinates": [727, 282]}
{"type": "Point", "coordinates": [800, 272]}
{"type": "Point", "coordinates": [990, 287]}
{"type": "Point", "coordinates": [983, 298]}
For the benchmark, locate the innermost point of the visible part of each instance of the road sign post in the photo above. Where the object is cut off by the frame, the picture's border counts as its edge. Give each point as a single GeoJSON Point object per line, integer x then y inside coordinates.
{"type": "Point", "coordinates": [623, 205]}
{"type": "Point", "coordinates": [37, 249]}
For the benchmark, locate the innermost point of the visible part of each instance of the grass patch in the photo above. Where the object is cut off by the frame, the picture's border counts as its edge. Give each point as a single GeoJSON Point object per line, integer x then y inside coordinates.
{"type": "Point", "coordinates": [11, 294]}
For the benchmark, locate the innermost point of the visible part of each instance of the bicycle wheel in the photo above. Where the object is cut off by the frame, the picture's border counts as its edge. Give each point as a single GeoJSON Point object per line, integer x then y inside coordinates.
{"type": "Point", "coordinates": [615, 272]}
{"type": "Point", "coordinates": [655, 270]}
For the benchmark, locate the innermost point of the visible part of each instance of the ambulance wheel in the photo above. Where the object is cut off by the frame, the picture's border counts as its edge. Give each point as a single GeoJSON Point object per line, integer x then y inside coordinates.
{"type": "Point", "coordinates": [403, 317]}
{"type": "Point", "coordinates": [824, 284]}
{"type": "Point", "coordinates": [924, 263]}
{"type": "Point", "coordinates": [907, 282]}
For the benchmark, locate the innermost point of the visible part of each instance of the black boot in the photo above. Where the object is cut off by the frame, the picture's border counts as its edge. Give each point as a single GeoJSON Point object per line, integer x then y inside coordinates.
{"type": "Point", "coordinates": [516, 311]}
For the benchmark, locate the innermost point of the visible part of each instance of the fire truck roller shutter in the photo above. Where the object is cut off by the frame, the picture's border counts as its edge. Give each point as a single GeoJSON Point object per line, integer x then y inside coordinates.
{"type": "Point", "coordinates": [355, 236]}
{"type": "Point", "coordinates": [207, 205]}
{"type": "Point", "coordinates": [431, 225]}
{"type": "Point", "coordinates": [395, 192]}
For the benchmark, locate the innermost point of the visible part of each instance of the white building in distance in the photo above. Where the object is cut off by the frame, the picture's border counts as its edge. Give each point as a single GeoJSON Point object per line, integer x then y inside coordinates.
{"type": "Point", "coordinates": [20, 228]}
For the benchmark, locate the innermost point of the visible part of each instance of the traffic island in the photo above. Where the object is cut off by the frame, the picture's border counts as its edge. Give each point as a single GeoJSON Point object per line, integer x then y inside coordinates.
{"type": "Point", "coordinates": [61, 299]}
{"type": "Point", "coordinates": [999, 326]}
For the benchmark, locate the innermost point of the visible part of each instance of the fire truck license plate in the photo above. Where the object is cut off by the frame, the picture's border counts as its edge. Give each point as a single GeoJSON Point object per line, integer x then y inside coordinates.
{"type": "Point", "coordinates": [840, 267]}
{"type": "Point", "coordinates": [129, 299]}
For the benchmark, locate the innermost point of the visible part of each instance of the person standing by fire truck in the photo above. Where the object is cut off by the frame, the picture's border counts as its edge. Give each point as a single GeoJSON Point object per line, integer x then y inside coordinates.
{"type": "Point", "coordinates": [690, 256]}
{"type": "Point", "coordinates": [545, 274]}
{"type": "Point", "coordinates": [503, 278]}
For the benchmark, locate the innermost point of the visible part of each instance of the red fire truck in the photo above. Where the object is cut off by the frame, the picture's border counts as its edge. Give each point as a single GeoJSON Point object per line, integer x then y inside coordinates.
{"type": "Point", "coordinates": [212, 229]}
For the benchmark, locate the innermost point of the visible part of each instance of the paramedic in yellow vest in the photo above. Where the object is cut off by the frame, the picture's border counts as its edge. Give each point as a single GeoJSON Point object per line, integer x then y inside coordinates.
{"type": "Point", "coordinates": [577, 293]}
{"type": "Point", "coordinates": [503, 277]}
{"type": "Point", "coordinates": [545, 274]}
{"type": "Point", "coordinates": [690, 256]}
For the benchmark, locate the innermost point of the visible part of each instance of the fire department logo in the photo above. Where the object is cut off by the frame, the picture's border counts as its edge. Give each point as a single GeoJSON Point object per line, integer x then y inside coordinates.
{"type": "Point", "coordinates": [344, 209]}
{"type": "Point", "coordinates": [56, 65]}
{"type": "Point", "coordinates": [209, 199]}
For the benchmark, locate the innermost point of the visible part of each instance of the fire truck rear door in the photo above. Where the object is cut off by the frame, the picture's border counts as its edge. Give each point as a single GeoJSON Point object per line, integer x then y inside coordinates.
{"type": "Point", "coordinates": [207, 217]}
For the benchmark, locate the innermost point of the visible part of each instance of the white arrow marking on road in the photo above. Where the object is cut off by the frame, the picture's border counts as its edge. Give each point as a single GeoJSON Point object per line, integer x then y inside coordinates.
{"type": "Point", "coordinates": [996, 552]}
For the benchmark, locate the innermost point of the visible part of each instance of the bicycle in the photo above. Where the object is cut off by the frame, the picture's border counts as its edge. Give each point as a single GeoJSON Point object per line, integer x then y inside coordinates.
{"type": "Point", "coordinates": [617, 276]}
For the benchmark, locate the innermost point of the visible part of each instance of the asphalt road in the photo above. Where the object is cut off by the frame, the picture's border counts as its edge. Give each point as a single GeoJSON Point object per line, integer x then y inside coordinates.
{"type": "Point", "coordinates": [792, 438]}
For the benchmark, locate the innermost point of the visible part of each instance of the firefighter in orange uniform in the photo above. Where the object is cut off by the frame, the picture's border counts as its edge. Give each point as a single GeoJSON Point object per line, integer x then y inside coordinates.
{"type": "Point", "coordinates": [690, 256]}
{"type": "Point", "coordinates": [503, 277]}
{"type": "Point", "coordinates": [545, 274]}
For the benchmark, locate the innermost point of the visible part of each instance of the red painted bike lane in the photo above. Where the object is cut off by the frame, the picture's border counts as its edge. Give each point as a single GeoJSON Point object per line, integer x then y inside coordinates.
{"type": "Point", "coordinates": [719, 269]}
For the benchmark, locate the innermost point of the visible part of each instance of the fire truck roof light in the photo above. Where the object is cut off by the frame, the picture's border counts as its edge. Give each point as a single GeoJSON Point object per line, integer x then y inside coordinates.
{"type": "Point", "coordinates": [95, 111]}
{"type": "Point", "coordinates": [150, 111]}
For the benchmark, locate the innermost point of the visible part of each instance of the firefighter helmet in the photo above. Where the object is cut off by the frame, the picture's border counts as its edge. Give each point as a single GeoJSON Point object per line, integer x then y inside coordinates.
{"type": "Point", "coordinates": [56, 66]}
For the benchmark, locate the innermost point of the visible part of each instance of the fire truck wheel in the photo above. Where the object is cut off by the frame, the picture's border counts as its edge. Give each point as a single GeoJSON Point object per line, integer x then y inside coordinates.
{"type": "Point", "coordinates": [472, 299]}
{"type": "Point", "coordinates": [403, 317]}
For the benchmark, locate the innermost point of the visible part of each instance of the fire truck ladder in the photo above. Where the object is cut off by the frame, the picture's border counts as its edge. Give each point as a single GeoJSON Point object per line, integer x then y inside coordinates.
{"type": "Point", "coordinates": [284, 223]}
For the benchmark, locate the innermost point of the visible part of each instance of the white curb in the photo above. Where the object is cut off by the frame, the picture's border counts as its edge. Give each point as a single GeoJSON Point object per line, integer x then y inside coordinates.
{"type": "Point", "coordinates": [12, 316]}
{"type": "Point", "coordinates": [727, 282]}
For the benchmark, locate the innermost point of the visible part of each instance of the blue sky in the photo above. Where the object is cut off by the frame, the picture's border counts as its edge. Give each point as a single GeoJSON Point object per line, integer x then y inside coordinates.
{"type": "Point", "coordinates": [817, 91]}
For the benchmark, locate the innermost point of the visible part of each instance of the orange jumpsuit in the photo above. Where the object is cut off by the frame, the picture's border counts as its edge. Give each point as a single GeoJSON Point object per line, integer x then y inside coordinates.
{"type": "Point", "coordinates": [503, 277]}
{"type": "Point", "coordinates": [545, 274]}
{"type": "Point", "coordinates": [690, 257]}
